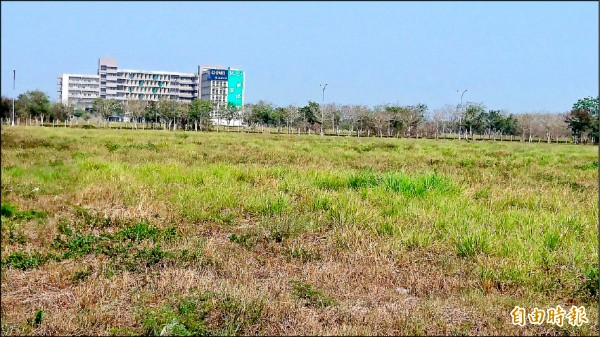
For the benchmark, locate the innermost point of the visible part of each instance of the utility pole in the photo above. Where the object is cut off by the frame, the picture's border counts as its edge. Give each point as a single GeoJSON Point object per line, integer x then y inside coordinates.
{"type": "Point", "coordinates": [14, 93]}
{"type": "Point", "coordinates": [322, 103]}
{"type": "Point", "coordinates": [461, 110]}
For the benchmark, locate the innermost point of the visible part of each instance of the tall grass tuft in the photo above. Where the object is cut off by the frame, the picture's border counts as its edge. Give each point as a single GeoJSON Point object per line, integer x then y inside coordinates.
{"type": "Point", "coordinates": [471, 244]}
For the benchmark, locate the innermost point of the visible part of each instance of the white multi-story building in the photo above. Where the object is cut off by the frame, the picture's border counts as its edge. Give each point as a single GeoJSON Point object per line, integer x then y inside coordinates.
{"type": "Point", "coordinates": [78, 90]}
{"type": "Point", "coordinates": [219, 85]}
{"type": "Point", "coordinates": [127, 84]}
{"type": "Point", "coordinates": [107, 70]}
{"type": "Point", "coordinates": [155, 85]}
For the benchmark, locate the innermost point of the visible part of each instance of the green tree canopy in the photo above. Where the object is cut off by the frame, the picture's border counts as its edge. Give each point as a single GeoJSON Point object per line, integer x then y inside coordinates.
{"type": "Point", "coordinates": [106, 107]}
{"type": "Point", "coordinates": [200, 110]}
{"type": "Point", "coordinates": [5, 107]}
{"type": "Point", "coordinates": [309, 112]}
{"type": "Point", "coordinates": [168, 108]}
{"type": "Point", "coordinates": [35, 103]}
{"type": "Point", "coordinates": [231, 112]}
{"type": "Point", "coordinates": [474, 117]}
{"type": "Point", "coordinates": [60, 111]}
{"type": "Point", "coordinates": [583, 117]}
{"type": "Point", "coordinates": [262, 112]}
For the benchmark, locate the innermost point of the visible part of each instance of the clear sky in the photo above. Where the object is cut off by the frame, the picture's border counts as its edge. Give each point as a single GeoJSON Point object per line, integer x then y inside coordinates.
{"type": "Point", "coordinates": [518, 56]}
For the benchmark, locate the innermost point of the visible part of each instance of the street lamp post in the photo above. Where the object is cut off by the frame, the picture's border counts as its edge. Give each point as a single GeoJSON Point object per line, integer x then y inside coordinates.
{"type": "Point", "coordinates": [322, 115]}
{"type": "Point", "coordinates": [13, 105]}
{"type": "Point", "coordinates": [460, 117]}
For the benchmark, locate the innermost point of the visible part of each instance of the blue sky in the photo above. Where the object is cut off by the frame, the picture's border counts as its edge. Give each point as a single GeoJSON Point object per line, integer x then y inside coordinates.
{"type": "Point", "coordinates": [518, 56]}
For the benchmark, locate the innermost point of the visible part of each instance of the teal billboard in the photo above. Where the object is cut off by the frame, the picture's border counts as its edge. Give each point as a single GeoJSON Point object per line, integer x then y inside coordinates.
{"type": "Point", "coordinates": [235, 87]}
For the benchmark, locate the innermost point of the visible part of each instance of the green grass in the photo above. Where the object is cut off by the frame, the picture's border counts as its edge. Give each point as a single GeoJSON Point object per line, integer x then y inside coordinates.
{"type": "Point", "coordinates": [514, 220]}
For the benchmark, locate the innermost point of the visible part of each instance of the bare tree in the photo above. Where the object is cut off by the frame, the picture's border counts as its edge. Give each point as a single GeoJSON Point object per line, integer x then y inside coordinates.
{"type": "Point", "coordinates": [381, 119]}
{"type": "Point", "coordinates": [137, 109]}
{"type": "Point", "coordinates": [346, 118]}
{"type": "Point", "coordinates": [411, 116]}
{"type": "Point", "coordinates": [168, 109]}
{"type": "Point", "coordinates": [183, 111]}
{"type": "Point", "coordinates": [442, 118]}
{"type": "Point", "coordinates": [363, 117]}
{"type": "Point", "coordinates": [526, 125]}
{"type": "Point", "coordinates": [331, 113]}
{"type": "Point", "coordinates": [290, 115]}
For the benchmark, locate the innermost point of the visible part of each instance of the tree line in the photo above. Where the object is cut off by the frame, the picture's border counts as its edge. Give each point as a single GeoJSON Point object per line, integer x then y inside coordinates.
{"type": "Point", "coordinates": [468, 121]}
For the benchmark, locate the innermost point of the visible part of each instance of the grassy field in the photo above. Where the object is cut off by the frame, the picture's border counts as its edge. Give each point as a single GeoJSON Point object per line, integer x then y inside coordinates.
{"type": "Point", "coordinates": [150, 232]}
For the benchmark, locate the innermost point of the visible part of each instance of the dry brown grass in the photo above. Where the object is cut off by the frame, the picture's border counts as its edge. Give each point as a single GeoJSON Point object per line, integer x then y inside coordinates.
{"type": "Point", "coordinates": [380, 285]}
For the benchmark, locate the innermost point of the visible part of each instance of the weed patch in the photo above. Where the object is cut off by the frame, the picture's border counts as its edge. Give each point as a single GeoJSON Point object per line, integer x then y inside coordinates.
{"type": "Point", "coordinates": [303, 254]}
{"type": "Point", "coordinates": [9, 211]}
{"type": "Point", "coordinates": [37, 318]}
{"type": "Point", "coordinates": [589, 286]}
{"type": "Point", "coordinates": [24, 261]}
{"type": "Point", "coordinates": [247, 240]}
{"type": "Point", "coordinates": [189, 316]}
{"type": "Point", "coordinates": [80, 275]}
{"type": "Point", "coordinates": [590, 166]}
{"type": "Point", "coordinates": [311, 296]}
{"type": "Point", "coordinates": [16, 236]}
{"type": "Point", "coordinates": [112, 147]}
{"type": "Point", "coordinates": [138, 232]}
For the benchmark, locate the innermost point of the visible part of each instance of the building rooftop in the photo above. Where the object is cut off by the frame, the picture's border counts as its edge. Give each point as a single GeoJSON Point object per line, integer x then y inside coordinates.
{"type": "Point", "coordinates": [82, 75]}
{"type": "Point", "coordinates": [155, 72]}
